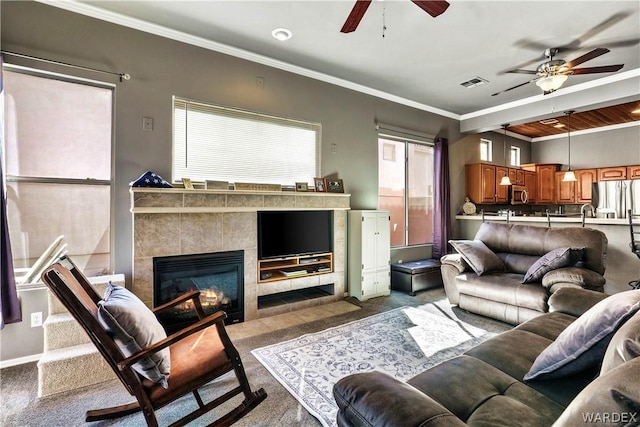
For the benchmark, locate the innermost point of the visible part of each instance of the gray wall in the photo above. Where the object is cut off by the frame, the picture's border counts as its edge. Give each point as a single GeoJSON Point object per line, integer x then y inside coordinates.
{"type": "Point", "coordinates": [161, 68]}
{"type": "Point", "coordinates": [500, 153]}
{"type": "Point", "coordinates": [594, 150]}
{"type": "Point", "coordinates": [20, 340]}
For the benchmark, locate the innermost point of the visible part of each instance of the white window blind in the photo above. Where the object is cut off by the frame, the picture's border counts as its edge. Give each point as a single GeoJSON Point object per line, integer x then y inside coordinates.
{"type": "Point", "coordinates": [219, 143]}
{"type": "Point", "coordinates": [58, 153]}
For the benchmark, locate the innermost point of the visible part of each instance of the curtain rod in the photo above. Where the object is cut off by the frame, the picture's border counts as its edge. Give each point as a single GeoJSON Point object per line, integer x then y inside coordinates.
{"type": "Point", "coordinates": [122, 76]}
{"type": "Point", "coordinates": [402, 132]}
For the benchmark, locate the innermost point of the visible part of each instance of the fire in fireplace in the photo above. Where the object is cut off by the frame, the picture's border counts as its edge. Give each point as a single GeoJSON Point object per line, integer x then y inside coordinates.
{"type": "Point", "coordinates": [218, 276]}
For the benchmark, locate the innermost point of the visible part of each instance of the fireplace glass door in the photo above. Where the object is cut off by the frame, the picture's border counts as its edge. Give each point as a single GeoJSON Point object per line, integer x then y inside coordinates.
{"type": "Point", "coordinates": [218, 276]}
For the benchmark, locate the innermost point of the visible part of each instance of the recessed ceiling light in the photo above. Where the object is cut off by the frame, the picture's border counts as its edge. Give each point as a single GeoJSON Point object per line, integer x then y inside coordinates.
{"type": "Point", "coordinates": [636, 111]}
{"type": "Point", "coordinates": [281, 34]}
{"type": "Point", "coordinates": [559, 125]}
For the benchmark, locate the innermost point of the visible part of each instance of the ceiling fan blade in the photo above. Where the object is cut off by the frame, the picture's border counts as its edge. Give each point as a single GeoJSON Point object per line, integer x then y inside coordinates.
{"type": "Point", "coordinates": [624, 43]}
{"type": "Point", "coordinates": [593, 70]}
{"type": "Point", "coordinates": [607, 23]}
{"type": "Point", "coordinates": [578, 42]}
{"type": "Point", "coordinates": [587, 56]}
{"type": "Point", "coordinates": [355, 16]}
{"type": "Point", "coordinates": [521, 71]}
{"type": "Point", "coordinates": [514, 87]}
{"type": "Point", "coordinates": [432, 7]}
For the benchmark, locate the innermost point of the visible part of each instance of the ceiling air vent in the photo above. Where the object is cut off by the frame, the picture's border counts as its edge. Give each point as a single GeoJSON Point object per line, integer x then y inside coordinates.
{"type": "Point", "coordinates": [476, 81]}
{"type": "Point", "coordinates": [548, 121]}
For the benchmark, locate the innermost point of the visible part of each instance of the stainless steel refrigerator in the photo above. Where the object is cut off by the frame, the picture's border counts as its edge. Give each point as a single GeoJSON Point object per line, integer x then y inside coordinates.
{"type": "Point", "coordinates": [613, 199]}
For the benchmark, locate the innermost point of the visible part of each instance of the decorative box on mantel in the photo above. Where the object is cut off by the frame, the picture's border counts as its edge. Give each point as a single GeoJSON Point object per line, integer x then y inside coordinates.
{"type": "Point", "coordinates": [176, 221]}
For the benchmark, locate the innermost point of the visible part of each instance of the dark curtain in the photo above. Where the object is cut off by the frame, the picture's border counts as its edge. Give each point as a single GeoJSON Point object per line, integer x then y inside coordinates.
{"type": "Point", "coordinates": [9, 303]}
{"type": "Point", "coordinates": [441, 205]}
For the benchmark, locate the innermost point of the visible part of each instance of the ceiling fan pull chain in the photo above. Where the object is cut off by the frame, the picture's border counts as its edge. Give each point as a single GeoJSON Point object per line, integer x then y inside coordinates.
{"type": "Point", "coordinates": [384, 19]}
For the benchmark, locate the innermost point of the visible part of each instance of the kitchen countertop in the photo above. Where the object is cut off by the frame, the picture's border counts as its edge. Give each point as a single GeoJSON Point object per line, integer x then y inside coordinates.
{"type": "Point", "coordinates": [543, 219]}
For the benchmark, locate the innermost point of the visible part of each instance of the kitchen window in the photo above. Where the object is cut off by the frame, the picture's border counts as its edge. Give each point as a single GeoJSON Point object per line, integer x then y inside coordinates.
{"type": "Point", "coordinates": [486, 150]}
{"type": "Point", "coordinates": [514, 156]}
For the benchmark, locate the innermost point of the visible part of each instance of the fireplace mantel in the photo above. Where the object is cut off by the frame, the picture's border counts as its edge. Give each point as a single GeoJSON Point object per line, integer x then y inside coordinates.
{"type": "Point", "coordinates": [177, 221]}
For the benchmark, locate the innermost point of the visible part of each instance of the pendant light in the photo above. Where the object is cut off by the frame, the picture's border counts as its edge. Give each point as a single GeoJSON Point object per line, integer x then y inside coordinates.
{"type": "Point", "coordinates": [569, 176]}
{"type": "Point", "coordinates": [505, 179]}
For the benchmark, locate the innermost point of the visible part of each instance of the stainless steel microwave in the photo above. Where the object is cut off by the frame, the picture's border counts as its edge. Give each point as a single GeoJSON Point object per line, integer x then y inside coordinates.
{"type": "Point", "coordinates": [518, 195]}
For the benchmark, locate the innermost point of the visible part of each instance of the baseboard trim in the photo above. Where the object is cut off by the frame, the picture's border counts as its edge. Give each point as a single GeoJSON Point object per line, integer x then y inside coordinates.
{"type": "Point", "coordinates": [20, 360]}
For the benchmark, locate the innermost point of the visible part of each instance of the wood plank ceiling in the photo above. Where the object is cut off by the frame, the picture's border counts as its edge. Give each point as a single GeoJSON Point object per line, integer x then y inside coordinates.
{"type": "Point", "coordinates": [581, 120]}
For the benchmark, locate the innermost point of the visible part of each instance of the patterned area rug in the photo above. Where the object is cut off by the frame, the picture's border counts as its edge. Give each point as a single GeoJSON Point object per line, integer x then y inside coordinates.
{"type": "Point", "coordinates": [401, 342]}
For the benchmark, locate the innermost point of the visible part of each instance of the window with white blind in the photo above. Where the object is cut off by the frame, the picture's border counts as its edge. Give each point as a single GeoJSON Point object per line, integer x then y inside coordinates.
{"type": "Point", "coordinates": [211, 142]}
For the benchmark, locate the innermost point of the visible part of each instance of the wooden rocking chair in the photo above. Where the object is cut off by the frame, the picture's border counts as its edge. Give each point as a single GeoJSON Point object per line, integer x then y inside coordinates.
{"type": "Point", "coordinates": [199, 354]}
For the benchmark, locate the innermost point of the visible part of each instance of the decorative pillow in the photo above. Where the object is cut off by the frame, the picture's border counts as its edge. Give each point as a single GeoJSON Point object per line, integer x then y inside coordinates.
{"type": "Point", "coordinates": [135, 327]}
{"type": "Point", "coordinates": [583, 343]}
{"type": "Point", "coordinates": [556, 258]}
{"type": "Point", "coordinates": [479, 257]}
{"type": "Point", "coordinates": [624, 346]}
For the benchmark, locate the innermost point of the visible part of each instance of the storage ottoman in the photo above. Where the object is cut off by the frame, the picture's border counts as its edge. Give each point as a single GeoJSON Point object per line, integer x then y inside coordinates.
{"type": "Point", "coordinates": [416, 276]}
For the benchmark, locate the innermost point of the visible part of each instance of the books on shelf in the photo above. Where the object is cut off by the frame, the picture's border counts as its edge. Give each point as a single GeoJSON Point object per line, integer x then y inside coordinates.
{"type": "Point", "coordinates": [293, 273]}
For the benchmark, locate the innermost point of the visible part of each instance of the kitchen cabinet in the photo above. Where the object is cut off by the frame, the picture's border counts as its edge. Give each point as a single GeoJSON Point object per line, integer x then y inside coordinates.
{"type": "Point", "coordinates": [565, 191]}
{"type": "Point", "coordinates": [575, 191]}
{"type": "Point", "coordinates": [516, 176]}
{"type": "Point", "coordinates": [633, 172]}
{"type": "Point", "coordinates": [584, 184]}
{"type": "Point", "coordinates": [369, 254]}
{"type": "Point", "coordinates": [546, 182]}
{"type": "Point", "coordinates": [612, 174]}
{"type": "Point", "coordinates": [502, 191]}
{"type": "Point", "coordinates": [481, 182]}
{"type": "Point", "coordinates": [530, 185]}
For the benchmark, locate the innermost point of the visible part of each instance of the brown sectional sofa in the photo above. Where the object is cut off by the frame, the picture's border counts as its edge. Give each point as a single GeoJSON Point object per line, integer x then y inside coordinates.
{"type": "Point", "coordinates": [500, 292]}
{"type": "Point", "coordinates": [485, 386]}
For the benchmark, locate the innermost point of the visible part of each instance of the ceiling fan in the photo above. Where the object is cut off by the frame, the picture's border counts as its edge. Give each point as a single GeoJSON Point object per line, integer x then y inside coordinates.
{"type": "Point", "coordinates": [432, 7]}
{"type": "Point", "coordinates": [552, 74]}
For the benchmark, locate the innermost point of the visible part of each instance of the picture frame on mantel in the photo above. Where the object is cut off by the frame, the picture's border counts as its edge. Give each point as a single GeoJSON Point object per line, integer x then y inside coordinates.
{"type": "Point", "coordinates": [302, 186]}
{"type": "Point", "coordinates": [320, 184]}
{"type": "Point", "coordinates": [335, 186]}
{"type": "Point", "coordinates": [188, 185]}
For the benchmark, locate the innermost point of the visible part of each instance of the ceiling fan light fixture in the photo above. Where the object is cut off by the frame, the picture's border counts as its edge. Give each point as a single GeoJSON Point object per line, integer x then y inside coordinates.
{"type": "Point", "coordinates": [551, 83]}
{"type": "Point", "coordinates": [281, 34]}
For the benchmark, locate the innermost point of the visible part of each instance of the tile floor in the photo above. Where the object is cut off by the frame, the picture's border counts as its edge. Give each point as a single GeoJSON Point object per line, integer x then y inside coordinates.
{"type": "Point", "coordinates": [285, 320]}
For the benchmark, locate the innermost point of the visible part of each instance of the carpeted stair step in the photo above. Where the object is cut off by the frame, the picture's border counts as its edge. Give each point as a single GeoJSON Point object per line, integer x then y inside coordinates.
{"type": "Point", "coordinates": [99, 284]}
{"type": "Point", "coordinates": [70, 368]}
{"type": "Point", "coordinates": [61, 330]}
{"type": "Point", "coordinates": [70, 360]}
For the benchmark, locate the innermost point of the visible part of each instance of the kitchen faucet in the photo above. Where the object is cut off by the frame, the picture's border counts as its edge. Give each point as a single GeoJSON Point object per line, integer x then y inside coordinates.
{"type": "Point", "coordinates": [586, 206]}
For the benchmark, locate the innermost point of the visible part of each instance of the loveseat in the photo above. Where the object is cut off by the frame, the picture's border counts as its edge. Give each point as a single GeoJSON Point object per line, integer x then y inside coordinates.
{"type": "Point", "coordinates": [508, 271]}
{"type": "Point", "coordinates": [583, 355]}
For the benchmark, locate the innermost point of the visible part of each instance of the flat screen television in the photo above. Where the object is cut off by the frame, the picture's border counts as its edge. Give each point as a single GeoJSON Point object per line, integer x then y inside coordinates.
{"type": "Point", "coordinates": [292, 233]}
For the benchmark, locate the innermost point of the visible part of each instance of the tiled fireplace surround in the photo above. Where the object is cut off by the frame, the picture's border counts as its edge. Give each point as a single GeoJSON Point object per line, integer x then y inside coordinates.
{"type": "Point", "coordinates": [180, 222]}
